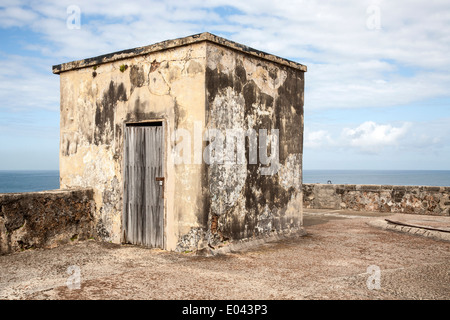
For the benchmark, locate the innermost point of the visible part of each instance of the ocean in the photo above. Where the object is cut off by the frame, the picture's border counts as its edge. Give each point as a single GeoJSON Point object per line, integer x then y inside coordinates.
{"type": "Point", "coordinates": [28, 181]}
{"type": "Point", "coordinates": [380, 177]}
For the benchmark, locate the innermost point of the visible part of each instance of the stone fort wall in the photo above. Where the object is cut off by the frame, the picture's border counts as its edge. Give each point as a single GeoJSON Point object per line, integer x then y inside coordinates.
{"type": "Point", "coordinates": [378, 198]}
{"type": "Point", "coordinates": [44, 219]}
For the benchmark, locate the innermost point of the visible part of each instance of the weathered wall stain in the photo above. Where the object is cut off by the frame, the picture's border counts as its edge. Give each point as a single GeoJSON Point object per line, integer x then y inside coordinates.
{"type": "Point", "coordinates": [137, 77]}
{"type": "Point", "coordinates": [244, 93]}
{"type": "Point", "coordinates": [104, 114]}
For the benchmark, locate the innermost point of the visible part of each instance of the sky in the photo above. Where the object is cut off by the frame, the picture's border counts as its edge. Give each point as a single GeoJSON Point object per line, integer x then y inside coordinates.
{"type": "Point", "coordinates": [377, 90]}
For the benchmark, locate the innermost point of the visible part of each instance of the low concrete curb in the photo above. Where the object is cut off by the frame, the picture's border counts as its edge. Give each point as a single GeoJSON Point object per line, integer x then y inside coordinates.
{"type": "Point", "coordinates": [385, 225]}
{"type": "Point", "coordinates": [243, 245]}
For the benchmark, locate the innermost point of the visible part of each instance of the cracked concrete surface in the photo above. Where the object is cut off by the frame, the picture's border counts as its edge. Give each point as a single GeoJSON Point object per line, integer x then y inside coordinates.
{"type": "Point", "coordinates": [330, 262]}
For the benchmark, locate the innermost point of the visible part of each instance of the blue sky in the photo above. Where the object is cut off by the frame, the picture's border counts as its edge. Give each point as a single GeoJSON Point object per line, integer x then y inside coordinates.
{"type": "Point", "coordinates": [377, 88]}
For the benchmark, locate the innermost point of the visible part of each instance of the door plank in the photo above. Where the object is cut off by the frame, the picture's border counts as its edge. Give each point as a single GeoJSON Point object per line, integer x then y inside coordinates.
{"type": "Point", "coordinates": [143, 216]}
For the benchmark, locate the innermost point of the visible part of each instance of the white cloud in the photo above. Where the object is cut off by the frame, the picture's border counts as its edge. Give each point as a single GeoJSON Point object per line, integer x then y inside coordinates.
{"type": "Point", "coordinates": [374, 84]}
{"type": "Point", "coordinates": [317, 139]}
{"type": "Point", "coordinates": [349, 65]}
{"type": "Point", "coordinates": [27, 83]}
{"type": "Point", "coordinates": [412, 32]}
{"type": "Point", "coordinates": [368, 137]}
{"type": "Point", "coordinates": [371, 137]}
{"type": "Point", "coordinates": [16, 17]}
{"type": "Point", "coordinates": [429, 135]}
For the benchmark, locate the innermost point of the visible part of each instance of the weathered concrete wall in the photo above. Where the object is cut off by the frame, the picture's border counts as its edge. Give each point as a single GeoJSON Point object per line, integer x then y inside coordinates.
{"type": "Point", "coordinates": [247, 93]}
{"type": "Point", "coordinates": [96, 103]}
{"type": "Point", "coordinates": [378, 198]}
{"type": "Point", "coordinates": [44, 219]}
{"type": "Point", "coordinates": [191, 87]}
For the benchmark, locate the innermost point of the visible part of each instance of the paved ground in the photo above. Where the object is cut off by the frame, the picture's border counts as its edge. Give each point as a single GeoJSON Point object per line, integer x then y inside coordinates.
{"type": "Point", "coordinates": [343, 256]}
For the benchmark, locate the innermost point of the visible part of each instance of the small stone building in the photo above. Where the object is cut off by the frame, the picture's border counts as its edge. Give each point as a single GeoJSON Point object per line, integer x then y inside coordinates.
{"type": "Point", "coordinates": [186, 142]}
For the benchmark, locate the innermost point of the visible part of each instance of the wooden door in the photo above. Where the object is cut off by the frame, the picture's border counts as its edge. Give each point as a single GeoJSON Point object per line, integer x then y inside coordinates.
{"type": "Point", "coordinates": [143, 214]}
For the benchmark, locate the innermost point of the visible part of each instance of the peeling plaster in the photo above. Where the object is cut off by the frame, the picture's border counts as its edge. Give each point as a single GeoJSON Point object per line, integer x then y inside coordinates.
{"type": "Point", "coordinates": [223, 89]}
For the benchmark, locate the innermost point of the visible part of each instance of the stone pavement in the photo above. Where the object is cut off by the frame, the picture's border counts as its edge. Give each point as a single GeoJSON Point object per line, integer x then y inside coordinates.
{"type": "Point", "coordinates": [436, 227]}
{"type": "Point", "coordinates": [342, 256]}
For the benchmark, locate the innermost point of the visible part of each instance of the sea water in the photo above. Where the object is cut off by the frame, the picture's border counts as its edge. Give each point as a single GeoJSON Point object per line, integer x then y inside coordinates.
{"type": "Point", "coordinates": [40, 180]}
{"type": "Point", "coordinates": [28, 181]}
{"type": "Point", "coordinates": [379, 177]}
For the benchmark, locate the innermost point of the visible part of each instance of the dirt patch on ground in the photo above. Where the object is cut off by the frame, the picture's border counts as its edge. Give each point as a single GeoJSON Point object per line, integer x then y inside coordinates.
{"type": "Point", "coordinates": [330, 262]}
